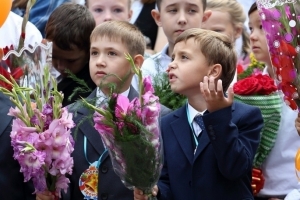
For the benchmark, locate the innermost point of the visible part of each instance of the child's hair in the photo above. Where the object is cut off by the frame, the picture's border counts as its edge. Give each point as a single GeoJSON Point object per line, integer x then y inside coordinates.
{"type": "Point", "coordinates": [70, 25]}
{"type": "Point", "coordinates": [237, 15]}
{"type": "Point", "coordinates": [252, 8]}
{"type": "Point", "coordinates": [217, 48]}
{"type": "Point", "coordinates": [158, 3]}
{"type": "Point", "coordinates": [129, 3]}
{"type": "Point", "coordinates": [128, 33]}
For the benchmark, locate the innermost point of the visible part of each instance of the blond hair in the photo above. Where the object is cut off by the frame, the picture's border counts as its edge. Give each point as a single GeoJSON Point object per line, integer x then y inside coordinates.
{"type": "Point", "coordinates": [237, 15]}
{"type": "Point", "coordinates": [217, 48]}
{"type": "Point", "coordinates": [127, 33]}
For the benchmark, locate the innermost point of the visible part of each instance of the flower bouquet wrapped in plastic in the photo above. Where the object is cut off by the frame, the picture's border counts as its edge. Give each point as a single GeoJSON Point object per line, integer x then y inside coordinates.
{"type": "Point", "coordinates": [41, 137]}
{"type": "Point", "coordinates": [260, 91]}
{"type": "Point", "coordinates": [280, 21]}
{"type": "Point", "coordinates": [131, 133]}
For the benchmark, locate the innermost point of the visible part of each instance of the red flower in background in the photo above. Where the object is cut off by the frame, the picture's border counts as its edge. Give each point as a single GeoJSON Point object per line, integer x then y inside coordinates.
{"type": "Point", "coordinates": [255, 85]}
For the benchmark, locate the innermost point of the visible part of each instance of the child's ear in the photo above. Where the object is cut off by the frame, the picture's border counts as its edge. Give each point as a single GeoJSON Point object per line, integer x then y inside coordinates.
{"type": "Point", "coordinates": [215, 71]}
{"type": "Point", "coordinates": [238, 32]}
{"type": "Point", "coordinates": [206, 15]}
{"type": "Point", "coordinates": [138, 60]}
{"type": "Point", "coordinates": [156, 16]}
{"type": "Point", "coordinates": [129, 15]}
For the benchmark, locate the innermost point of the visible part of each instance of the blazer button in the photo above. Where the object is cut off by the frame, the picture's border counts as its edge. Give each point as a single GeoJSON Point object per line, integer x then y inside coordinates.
{"type": "Point", "coordinates": [190, 183]}
{"type": "Point", "coordinates": [104, 196]}
{"type": "Point", "coordinates": [104, 169]}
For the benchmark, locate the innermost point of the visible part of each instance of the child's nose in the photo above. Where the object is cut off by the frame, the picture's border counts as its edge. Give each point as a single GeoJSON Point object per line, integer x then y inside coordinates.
{"type": "Point", "coordinates": [182, 18]}
{"type": "Point", "coordinates": [107, 16]}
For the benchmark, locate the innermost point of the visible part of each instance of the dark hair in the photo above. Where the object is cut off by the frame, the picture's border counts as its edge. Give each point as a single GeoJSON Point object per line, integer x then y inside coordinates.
{"type": "Point", "coordinates": [70, 25]}
{"type": "Point", "coordinates": [252, 8]}
{"type": "Point", "coordinates": [158, 3]}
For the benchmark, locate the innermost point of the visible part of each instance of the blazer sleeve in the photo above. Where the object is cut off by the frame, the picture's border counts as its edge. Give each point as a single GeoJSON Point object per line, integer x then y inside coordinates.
{"type": "Point", "coordinates": [235, 137]}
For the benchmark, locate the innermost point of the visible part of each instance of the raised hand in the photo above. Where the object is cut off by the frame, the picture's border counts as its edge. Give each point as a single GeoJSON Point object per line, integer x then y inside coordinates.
{"type": "Point", "coordinates": [214, 96]}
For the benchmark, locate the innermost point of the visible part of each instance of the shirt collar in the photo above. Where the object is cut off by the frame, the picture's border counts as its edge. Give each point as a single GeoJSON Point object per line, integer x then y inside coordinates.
{"type": "Point", "coordinates": [101, 96]}
{"type": "Point", "coordinates": [193, 112]}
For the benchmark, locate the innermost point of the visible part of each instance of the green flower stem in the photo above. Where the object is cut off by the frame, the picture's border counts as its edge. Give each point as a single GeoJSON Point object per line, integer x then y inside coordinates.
{"type": "Point", "coordinates": [107, 115]}
{"type": "Point", "coordinates": [138, 72]}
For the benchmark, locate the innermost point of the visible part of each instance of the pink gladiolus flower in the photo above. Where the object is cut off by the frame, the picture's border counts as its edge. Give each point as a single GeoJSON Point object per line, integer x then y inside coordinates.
{"type": "Point", "coordinates": [15, 112]}
{"type": "Point", "coordinates": [147, 85]}
{"type": "Point", "coordinates": [66, 118]}
{"type": "Point", "coordinates": [62, 182]}
{"type": "Point", "coordinates": [122, 106]}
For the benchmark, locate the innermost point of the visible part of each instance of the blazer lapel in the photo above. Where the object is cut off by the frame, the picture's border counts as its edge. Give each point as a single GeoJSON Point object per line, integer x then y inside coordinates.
{"type": "Point", "coordinates": [4, 108]}
{"type": "Point", "coordinates": [183, 133]}
{"type": "Point", "coordinates": [87, 129]}
{"type": "Point", "coordinates": [204, 140]}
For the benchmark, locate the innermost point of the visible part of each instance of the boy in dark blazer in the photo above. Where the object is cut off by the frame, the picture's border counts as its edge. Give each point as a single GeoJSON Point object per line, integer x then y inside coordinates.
{"type": "Point", "coordinates": [109, 41]}
{"type": "Point", "coordinates": [209, 143]}
{"type": "Point", "coordinates": [12, 185]}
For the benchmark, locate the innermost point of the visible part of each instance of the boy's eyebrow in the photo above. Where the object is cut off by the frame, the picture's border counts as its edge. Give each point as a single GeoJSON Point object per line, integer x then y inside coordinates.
{"type": "Point", "coordinates": [189, 4]}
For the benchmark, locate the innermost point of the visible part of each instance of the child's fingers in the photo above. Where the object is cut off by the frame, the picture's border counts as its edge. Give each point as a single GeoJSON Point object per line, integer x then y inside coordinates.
{"type": "Point", "coordinates": [211, 84]}
{"type": "Point", "coordinates": [230, 94]}
{"type": "Point", "coordinates": [220, 92]}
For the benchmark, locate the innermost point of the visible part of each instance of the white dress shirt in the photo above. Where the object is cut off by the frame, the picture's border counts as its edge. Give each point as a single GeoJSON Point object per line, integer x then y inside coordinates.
{"type": "Point", "coordinates": [192, 112]}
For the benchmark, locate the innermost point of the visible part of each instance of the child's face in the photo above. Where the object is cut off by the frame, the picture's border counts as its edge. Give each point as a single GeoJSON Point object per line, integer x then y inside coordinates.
{"type": "Point", "coordinates": [107, 10]}
{"type": "Point", "coordinates": [258, 39]}
{"type": "Point", "coordinates": [176, 16]}
{"type": "Point", "coordinates": [107, 57]}
{"type": "Point", "coordinates": [73, 60]}
{"type": "Point", "coordinates": [188, 68]}
{"type": "Point", "coordinates": [221, 22]}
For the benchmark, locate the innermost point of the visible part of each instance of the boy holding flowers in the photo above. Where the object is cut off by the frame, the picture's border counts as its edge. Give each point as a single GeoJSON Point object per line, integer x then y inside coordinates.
{"type": "Point", "coordinates": [108, 65]}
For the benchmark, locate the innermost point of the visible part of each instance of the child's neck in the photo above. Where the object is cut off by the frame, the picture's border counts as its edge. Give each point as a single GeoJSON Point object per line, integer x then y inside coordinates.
{"type": "Point", "coordinates": [197, 102]}
{"type": "Point", "coordinates": [170, 49]}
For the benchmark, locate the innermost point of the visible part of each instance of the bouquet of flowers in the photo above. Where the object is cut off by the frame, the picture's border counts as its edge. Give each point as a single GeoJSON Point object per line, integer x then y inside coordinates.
{"type": "Point", "coordinates": [16, 61]}
{"type": "Point", "coordinates": [40, 136]}
{"type": "Point", "coordinates": [253, 68]}
{"type": "Point", "coordinates": [260, 90]}
{"type": "Point", "coordinates": [131, 133]}
{"type": "Point", "coordinates": [280, 21]}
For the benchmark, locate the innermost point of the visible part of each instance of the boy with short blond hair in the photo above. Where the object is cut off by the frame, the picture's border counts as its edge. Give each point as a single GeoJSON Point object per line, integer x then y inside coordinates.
{"type": "Point", "coordinates": [174, 16]}
{"type": "Point", "coordinates": [209, 143]}
{"type": "Point", "coordinates": [109, 41]}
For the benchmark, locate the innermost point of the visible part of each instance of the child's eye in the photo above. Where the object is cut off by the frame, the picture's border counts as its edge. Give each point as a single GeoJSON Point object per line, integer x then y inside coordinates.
{"type": "Point", "coordinates": [118, 10]}
{"type": "Point", "coordinates": [98, 10]}
{"type": "Point", "coordinates": [260, 27]}
{"type": "Point", "coordinates": [184, 57]}
{"type": "Point", "coordinates": [111, 53]}
{"type": "Point", "coordinates": [172, 11]}
{"type": "Point", "coordinates": [71, 61]}
{"type": "Point", "coordinates": [250, 29]}
{"type": "Point", "coordinates": [94, 53]}
{"type": "Point", "coordinates": [191, 11]}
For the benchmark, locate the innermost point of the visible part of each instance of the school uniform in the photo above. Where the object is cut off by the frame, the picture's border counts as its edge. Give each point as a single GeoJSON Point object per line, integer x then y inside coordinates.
{"type": "Point", "coordinates": [12, 185]}
{"type": "Point", "coordinates": [109, 184]}
{"type": "Point", "coordinates": [221, 166]}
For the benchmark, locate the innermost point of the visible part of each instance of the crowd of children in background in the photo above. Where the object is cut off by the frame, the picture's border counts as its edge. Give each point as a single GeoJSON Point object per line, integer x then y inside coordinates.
{"type": "Point", "coordinates": [209, 143]}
